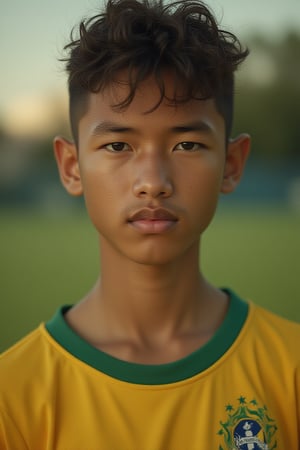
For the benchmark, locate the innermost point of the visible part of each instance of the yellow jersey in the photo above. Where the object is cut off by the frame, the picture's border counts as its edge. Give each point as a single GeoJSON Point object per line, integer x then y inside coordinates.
{"type": "Point", "coordinates": [239, 391]}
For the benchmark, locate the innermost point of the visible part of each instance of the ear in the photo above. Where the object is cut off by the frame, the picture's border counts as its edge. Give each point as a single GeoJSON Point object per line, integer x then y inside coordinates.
{"type": "Point", "coordinates": [66, 156]}
{"type": "Point", "coordinates": [237, 152]}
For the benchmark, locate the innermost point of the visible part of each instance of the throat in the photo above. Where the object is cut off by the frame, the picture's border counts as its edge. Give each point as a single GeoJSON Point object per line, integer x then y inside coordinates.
{"type": "Point", "coordinates": [165, 353]}
{"type": "Point", "coordinates": [149, 332]}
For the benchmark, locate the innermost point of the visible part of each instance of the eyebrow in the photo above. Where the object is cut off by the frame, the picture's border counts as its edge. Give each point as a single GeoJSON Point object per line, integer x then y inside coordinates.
{"type": "Point", "coordinates": [109, 127]}
{"type": "Point", "coordinates": [113, 127]}
{"type": "Point", "coordinates": [201, 126]}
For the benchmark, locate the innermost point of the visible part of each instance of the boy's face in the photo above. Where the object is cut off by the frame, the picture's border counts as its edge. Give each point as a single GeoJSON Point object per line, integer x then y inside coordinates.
{"type": "Point", "coordinates": [151, 181]}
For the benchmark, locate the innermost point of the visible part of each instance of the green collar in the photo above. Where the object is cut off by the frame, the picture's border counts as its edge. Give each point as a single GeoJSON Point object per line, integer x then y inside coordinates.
{"type": "Point", "coordinates": [187, 367]}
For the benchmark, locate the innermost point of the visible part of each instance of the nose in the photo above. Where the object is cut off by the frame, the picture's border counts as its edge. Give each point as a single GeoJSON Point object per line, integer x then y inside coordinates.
{"type": "Point", "coordinates": [152, 178]}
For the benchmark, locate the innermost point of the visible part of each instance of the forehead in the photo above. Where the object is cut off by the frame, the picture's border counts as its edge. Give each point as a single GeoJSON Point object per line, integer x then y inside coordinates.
{"type": "Point", "coordinates": [146, 111]}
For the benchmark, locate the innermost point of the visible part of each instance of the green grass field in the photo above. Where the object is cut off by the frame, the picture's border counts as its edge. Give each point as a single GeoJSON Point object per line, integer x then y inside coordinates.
{"type": "Point", "coordinates": [49, 260]}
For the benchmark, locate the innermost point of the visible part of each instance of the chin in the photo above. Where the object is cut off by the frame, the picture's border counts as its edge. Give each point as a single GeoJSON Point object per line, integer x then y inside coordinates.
{"type": "Point", "coordinates": [160, 255]}
{"type": "Point", "coordinates": [153, 261]}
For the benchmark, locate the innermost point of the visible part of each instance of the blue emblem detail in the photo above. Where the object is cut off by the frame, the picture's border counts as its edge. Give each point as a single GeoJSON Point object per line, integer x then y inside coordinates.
{"type": "Point", "coordinates": [248, 427]}
{"type": "Point", "coordinates": [248, 435]}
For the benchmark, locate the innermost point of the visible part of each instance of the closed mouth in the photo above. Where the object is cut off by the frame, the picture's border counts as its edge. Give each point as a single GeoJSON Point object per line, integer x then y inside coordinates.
{"type": "Point", "coordinates": [158, 214]}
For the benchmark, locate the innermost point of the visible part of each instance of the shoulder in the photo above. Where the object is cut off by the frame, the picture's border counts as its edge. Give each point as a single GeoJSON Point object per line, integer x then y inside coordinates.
{"type": "Point", "coordinates": [19, 352]}
{"type": "Point", "coordinates": [272, 321]}
{"type": "Point", "coordinates": [24, 359]}
{"type": "Point", "coordinates": [275, 334]}
{"type": "Point", "coordinates": [33, 353]}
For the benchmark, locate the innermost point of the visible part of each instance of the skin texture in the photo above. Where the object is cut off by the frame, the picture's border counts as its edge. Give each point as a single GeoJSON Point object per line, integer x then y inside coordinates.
{"type": "Point", "coordinates": [151, 184]}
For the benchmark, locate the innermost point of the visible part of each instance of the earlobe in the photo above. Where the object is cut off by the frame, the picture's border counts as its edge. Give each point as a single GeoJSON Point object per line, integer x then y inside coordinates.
{"type": "Point", "coordinates": [236, 157]}
{"type": "Point", "coordinates": [66, 156]}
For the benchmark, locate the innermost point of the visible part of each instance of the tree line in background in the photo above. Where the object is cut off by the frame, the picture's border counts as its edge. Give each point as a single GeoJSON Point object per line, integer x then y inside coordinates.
{"type": "Point", "coordinates": [268, 104]}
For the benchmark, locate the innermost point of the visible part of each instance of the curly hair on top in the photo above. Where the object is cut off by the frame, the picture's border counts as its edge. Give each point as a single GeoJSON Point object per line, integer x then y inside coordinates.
{"type": "Point", "coordinates": [145, 38]}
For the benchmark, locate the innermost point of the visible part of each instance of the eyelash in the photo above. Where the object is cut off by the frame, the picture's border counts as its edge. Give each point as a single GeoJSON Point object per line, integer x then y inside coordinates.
{"type": "Point", "coordinates": [197, 144]}
{"type": "Point", "coordinates": [182, 144]}
{"type": "Point", "coordinates": [116, 150]}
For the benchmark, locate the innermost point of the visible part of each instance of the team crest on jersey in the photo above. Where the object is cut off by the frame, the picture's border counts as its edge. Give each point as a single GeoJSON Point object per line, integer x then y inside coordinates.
{"type": "Point", "coordinates": [248, 427]}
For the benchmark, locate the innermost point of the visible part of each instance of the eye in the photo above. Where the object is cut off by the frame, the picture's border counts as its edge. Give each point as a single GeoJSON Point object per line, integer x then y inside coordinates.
{"type": "Point", "coordinates": [116, 147]}
{"type": "Point", "coordinates": [189, 146]}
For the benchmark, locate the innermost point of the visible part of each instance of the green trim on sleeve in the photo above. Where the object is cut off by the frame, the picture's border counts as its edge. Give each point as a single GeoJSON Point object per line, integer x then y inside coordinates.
{"type": "Point", "coordinates": [185, 368]}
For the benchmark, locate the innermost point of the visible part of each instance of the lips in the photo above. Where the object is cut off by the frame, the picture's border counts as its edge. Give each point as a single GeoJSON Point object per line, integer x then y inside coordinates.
{"type": "Point", "coordinates": [153, 221]}
{"type": "Point", "coordinates": [153, 214]}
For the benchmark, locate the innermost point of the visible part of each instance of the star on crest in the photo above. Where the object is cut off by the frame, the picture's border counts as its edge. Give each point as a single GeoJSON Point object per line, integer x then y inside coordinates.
{"type": "Point", "coordinates": [242, 400]}
{"type": "Point", "coordinates": [229, 408]}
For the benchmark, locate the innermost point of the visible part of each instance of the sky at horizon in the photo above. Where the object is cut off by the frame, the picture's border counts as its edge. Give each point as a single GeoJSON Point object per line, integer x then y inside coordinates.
{"type": "Point", "coordinates": [33, 32]}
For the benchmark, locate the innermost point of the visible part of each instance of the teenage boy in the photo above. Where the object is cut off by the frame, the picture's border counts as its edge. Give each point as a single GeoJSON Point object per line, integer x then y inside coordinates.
{"type": "Point", "coordinates": [154, 357]}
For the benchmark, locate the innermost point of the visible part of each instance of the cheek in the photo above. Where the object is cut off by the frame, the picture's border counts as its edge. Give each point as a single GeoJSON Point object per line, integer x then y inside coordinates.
{"type": "Point", "coordinates": [95, 175]}
{"type": "Point", "coordinates": [97, 189]}
{"type": "Point", "coordinates": [105, 190]}
{"type": "Point", "coordinates": [204, 181]}
{"type": "Point", "coordinates": [202, 190]}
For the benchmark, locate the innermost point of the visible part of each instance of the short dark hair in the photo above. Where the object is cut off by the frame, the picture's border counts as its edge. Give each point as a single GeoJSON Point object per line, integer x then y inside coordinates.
{"type": "Point", "coordinates": [146, 37]}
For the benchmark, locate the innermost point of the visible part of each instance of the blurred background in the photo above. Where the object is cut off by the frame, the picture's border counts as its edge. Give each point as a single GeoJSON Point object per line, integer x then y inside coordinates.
{"type": "Point", "coordinates": [48, 249]}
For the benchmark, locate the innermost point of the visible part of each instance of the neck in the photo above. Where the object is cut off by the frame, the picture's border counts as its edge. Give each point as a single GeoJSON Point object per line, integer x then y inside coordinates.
{"type": "Point", "coordinates": [148, 295]}
{"type": "Point", "coordinates": [149, 305]}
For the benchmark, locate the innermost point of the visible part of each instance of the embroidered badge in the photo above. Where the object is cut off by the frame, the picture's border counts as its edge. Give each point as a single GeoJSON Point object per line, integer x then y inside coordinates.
{"type": "Point", "coordinates": [248, 427]}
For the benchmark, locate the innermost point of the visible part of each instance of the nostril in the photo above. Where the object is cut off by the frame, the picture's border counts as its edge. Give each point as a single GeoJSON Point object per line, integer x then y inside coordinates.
{"type": "Point", "coordinates": [152, 185]}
